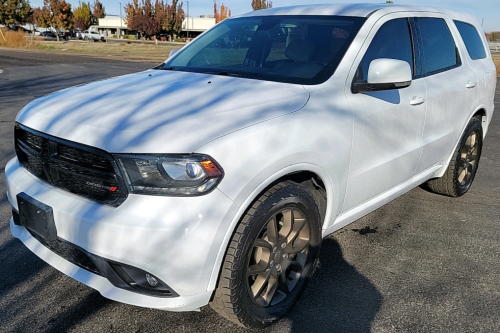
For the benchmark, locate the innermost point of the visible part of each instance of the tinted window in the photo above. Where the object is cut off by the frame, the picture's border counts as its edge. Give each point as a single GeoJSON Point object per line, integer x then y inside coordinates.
{"type": "Point", "coordinates": [391, 41]}
{"type": "Point", "coordinates": [472, 41]}
{"type": "Point", "coordinates": [438, 46]}
{"type": "Point", "coordinates": [294, 49]}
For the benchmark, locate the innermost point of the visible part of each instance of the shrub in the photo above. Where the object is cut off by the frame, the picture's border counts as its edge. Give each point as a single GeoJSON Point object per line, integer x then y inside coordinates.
{"type": "Point", "coordinates": [14, 39]}
{"type": "Point", "coordinates": [179, 40]}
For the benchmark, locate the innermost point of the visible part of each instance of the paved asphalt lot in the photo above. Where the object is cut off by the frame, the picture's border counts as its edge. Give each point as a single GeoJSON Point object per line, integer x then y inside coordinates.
{"type": "Point", "coordinates": [423, 263]}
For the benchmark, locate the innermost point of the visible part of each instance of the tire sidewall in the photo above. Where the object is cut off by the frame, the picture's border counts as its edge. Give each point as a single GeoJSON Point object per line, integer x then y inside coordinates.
{"type": "Point", "coordinates": [277, 201]}
{"type": "Point", "coordinates": [473, 126]}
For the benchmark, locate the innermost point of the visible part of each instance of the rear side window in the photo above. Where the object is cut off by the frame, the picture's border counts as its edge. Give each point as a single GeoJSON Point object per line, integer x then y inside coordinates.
{"type": "Point", "coordinates": [438, 47]}
{"type": "Point", "coordinates": [391, 41]}
{"type": "Point", "coordinates": [472, 41]}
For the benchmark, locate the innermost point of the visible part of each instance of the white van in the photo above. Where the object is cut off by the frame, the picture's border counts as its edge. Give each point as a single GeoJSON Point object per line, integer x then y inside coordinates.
{"type": "Point", "coordinates": [213, 177]}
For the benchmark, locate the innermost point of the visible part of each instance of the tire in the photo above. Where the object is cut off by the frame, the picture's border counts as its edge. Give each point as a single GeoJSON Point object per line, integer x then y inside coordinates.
{"type": "Point", "coordinates": [463, 165]}
{"type": "Point", "coordinates": [263, 275]}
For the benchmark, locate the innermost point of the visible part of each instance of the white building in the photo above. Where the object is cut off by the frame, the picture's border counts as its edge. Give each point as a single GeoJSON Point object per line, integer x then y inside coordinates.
{"type": "Point", "coordinates": [112, 25]}
{"type": "Point", "coordinates": [194, 26]}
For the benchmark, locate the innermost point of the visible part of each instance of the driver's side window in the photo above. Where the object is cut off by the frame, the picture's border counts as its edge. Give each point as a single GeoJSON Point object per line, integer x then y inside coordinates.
{"type": "Point", "coordinates": [392, 41]}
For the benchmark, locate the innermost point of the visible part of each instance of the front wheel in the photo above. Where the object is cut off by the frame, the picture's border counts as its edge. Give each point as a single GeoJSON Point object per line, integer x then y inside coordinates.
{"type": "Point", "coordinates": [463, 165]}
{"type": "Point", "coordinates": [270, 258]}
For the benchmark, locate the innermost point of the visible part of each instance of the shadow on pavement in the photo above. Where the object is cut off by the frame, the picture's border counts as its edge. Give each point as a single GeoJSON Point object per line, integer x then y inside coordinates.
{"type": "Point", "coordinates": [338, 298]}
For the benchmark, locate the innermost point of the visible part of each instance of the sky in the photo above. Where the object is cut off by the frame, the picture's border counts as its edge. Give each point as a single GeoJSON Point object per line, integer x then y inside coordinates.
{"type": "Point", "coordinates": [486, 11]}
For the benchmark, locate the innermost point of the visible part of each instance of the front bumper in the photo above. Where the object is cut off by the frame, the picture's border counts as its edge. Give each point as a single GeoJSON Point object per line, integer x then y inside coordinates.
{"type": "Point", "coordinates": [175, 239]}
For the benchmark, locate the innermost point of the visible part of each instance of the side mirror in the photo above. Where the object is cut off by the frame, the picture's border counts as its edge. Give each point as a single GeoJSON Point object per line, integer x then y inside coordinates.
{"type": "Point", "coordinates": [385, 74]}
{"type": "Point", "coordinates": [174, 51]}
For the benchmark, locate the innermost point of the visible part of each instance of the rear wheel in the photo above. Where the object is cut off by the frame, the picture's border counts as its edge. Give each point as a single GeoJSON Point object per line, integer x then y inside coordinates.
{"type": "Point", "coordinates": [271, 257]}
{"type": "Point", "coordinates": [463, 165]}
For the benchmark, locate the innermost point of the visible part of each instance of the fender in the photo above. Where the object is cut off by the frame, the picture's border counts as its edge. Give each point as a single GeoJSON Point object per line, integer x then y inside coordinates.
{"type": "Point", "coordinates": [332, 210]}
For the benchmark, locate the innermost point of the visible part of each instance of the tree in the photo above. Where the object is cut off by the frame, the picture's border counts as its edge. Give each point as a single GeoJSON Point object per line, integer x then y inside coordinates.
{"type": "Point", "coordinates": [261, 4]}
{"type": "Point", "coordinates": [389, 1]}
{"type": "Point", "coordinates": [174, 15]}
{"type": "Point", "coordinates": [222, 13]}
{"type": "Point", "coordinates": [141, 17]}
{"type": "Point", "coordinates": [56, 14]}
{"type": "Point", "coordinates": [82, 17]}
{"type": "Point", "coordinates": [98, 11]}
{"type": "Point", "coordinates": [41, 17]}
{"type": "Point", "coordinates": [149, 20]}
{"type": "Point", "coordinates": [14, 11]}
{"type": "Point", "coordinates": [495, 35]}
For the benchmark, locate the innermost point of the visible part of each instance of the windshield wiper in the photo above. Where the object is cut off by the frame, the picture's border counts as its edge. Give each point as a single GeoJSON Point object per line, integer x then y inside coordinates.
{"type": "Point", "coordinates": [223, 73]}
{"type": "Point", "coordinates": [162, 66]}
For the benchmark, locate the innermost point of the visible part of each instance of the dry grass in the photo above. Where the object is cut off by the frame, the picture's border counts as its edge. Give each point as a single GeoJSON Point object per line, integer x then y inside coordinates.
{"type": "Point", "coordinates": [496, 60]}
{"type": "Point", "coordinates": [14, 39]}
{"type": "Point", "coordinates": [122, 50]}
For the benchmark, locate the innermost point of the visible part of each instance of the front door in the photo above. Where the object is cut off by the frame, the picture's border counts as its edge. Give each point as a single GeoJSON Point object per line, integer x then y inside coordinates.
{"type": "Point", "coordinates": [387, 138]}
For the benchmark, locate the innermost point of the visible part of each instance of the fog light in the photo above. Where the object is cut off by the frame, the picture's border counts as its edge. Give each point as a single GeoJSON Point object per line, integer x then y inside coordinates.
{"type": "Point", "coordinates": [153, 282]}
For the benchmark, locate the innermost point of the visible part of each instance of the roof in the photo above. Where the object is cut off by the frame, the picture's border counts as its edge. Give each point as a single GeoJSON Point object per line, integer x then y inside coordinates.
{"type": "Point", "coordinates": [359, 10]}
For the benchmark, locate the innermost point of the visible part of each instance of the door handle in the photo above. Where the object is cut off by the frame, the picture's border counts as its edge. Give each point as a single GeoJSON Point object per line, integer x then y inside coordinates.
{"type": "Point", "coordinates": [417, 100]}
{"type": "Point", "coordinates": [470, 84]}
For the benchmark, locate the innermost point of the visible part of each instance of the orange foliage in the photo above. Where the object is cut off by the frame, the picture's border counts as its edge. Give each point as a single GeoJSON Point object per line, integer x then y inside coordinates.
{"type": "Point", "coordinates": [222, 13]}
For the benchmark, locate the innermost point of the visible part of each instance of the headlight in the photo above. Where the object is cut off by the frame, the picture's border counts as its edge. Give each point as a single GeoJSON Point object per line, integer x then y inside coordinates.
{"type": "Point", "coordinates": [174, 175]}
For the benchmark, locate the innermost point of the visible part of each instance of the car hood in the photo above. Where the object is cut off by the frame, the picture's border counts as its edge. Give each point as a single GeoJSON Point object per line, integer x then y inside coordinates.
{"type": "Point", "coordinates": [159, 111]}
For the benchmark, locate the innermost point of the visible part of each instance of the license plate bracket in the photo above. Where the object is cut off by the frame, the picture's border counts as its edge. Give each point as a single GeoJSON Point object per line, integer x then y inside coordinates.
{"type": "Point", "coordinates": [37, 217]}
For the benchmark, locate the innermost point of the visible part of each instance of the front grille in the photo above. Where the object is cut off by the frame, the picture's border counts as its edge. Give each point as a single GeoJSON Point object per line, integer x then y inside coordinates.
{"type": "Point", "coordinates": [86, 171]}
{"type": "Point", "coordinates": [69, 252]}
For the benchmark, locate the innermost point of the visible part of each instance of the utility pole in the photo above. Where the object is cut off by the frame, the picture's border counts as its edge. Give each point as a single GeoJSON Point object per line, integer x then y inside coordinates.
{"type": "Point", "coordinates": [187, 23]}
{"type": "Point", "coordinates": [121, 21]}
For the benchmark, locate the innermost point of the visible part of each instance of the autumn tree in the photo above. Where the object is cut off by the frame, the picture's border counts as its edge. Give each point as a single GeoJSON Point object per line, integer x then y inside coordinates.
{"type": "Point", "coordinates": [82, 17]}
{"type": "Point", "coordinates": [174, 15]}
{"type": "Point", "coordinates": [56, 14]}
{"type": "Point", "coordinates": [41, 17]}
{"type": "Point", "coordinates": [221, 13]}
{"type": "Point", "coordinates": [14, 11]}
{"type": "Point", "coordinates": [149, 20]}
{"type": "Point", "coordinates": [141, 18]}
{"type": "Point", "coordinates": [98, 11]}
{"type": "Point", "coordinates": [261, 4]}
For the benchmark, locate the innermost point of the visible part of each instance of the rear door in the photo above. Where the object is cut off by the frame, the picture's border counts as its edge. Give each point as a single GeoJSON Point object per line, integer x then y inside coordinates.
{"type": "Point", "coordinates": [479, 59]}
{"type": "Point", "coordinates": [452, 90]}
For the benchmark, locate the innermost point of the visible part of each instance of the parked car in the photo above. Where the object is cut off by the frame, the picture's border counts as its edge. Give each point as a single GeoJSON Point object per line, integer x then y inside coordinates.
{"type": "Point", "coordinates": [67, 35]}
{"type": "Point", "coordinates": [298, 121]}
{"type": "Point", "coordinates": [48, 34]}
{"type": "Point", "coordinates": [90, 35]}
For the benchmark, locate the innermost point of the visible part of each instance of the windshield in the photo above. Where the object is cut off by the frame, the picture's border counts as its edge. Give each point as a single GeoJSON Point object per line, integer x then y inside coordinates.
{"type": "Point", "coordinates": [293, 49]}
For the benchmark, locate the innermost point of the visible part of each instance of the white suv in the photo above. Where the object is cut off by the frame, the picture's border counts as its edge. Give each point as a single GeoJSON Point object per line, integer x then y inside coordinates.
{"type": "Point", "coordinates": [213, 177]}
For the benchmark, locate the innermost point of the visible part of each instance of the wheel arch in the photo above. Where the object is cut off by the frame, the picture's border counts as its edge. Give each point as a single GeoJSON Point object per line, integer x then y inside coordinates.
{"type": "Point", "coordinates": [483, 117]}
{"type": "Point", "coordinates": [310, 176]}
